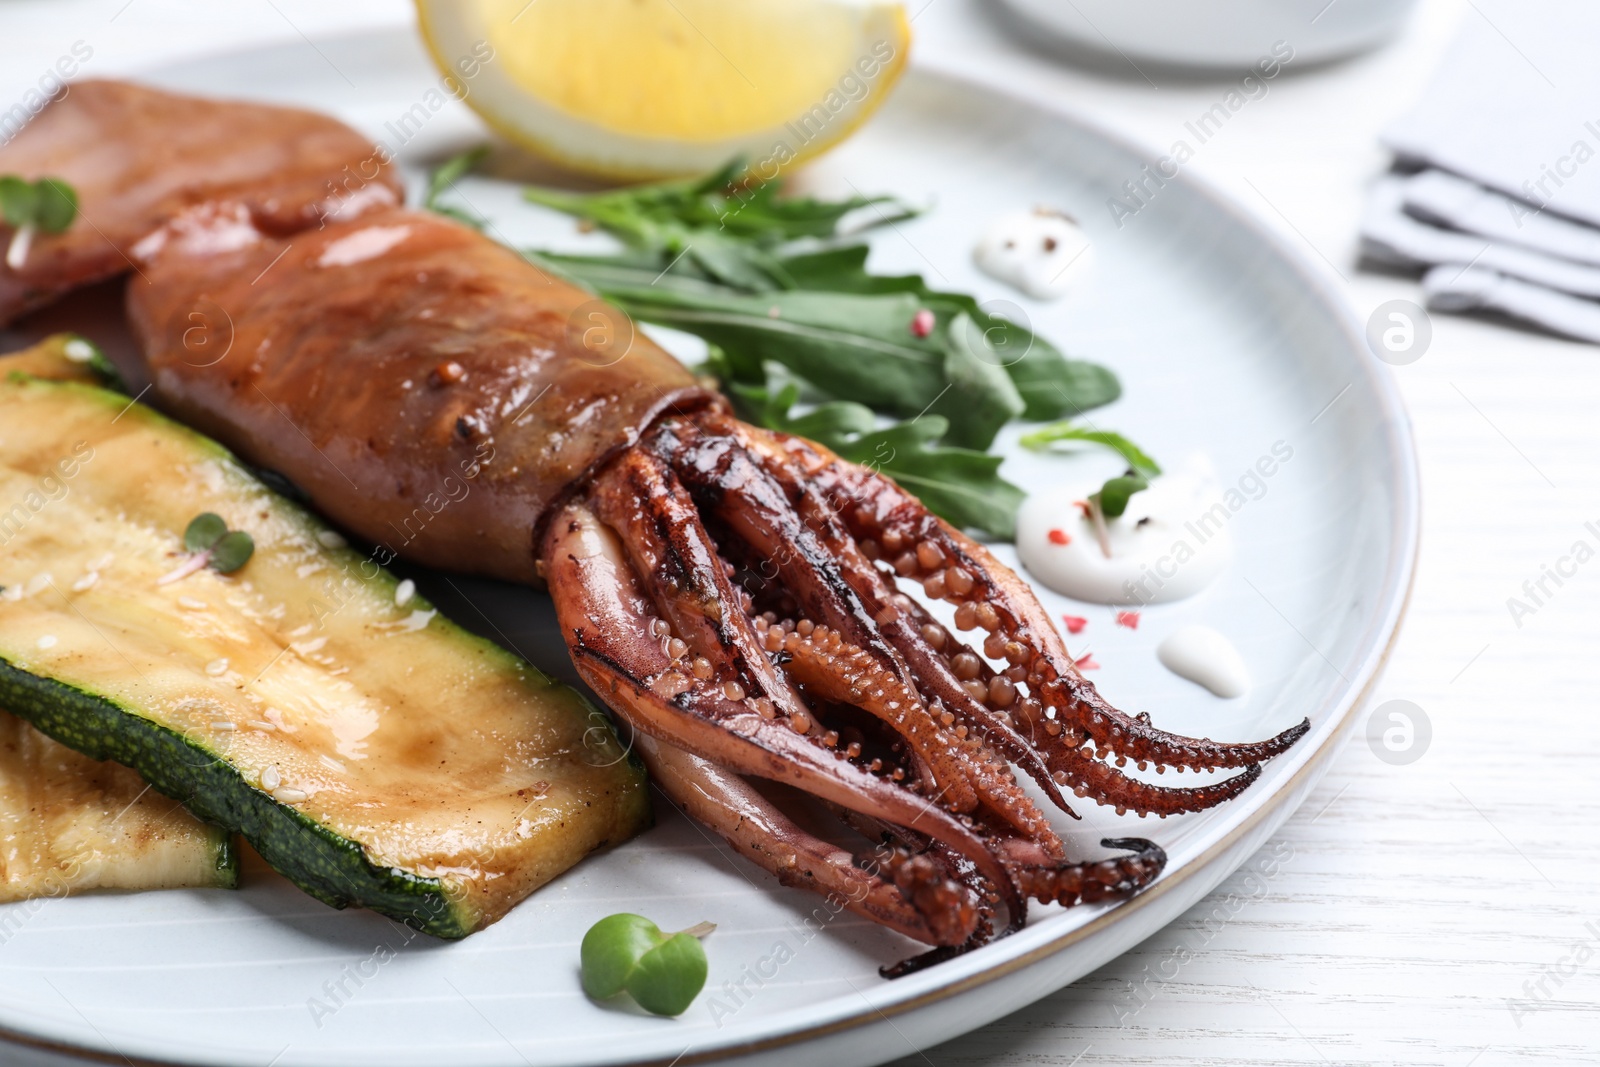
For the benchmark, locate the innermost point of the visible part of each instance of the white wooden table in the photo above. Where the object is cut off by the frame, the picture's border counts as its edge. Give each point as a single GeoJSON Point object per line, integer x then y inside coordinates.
{"type": "Point", "coordinates": [1431, 913]}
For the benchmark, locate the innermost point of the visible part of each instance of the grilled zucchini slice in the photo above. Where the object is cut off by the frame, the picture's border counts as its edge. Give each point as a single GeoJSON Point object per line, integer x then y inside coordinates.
{"type": "Point", "coordinates": [69, 824]}
{"type": "Point", "coordinates": [373, 752]}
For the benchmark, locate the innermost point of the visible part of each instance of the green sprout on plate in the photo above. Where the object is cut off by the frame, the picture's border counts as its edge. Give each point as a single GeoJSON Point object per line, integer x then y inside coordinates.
{"type": "Point", "coordinates": [48, 204]}
{"type": "Point", "coordinates": [630, 954]}
{"type": "Point", "coordinates": [210, 543]}
{"type": "Point", "coordinates": [1111, 502]}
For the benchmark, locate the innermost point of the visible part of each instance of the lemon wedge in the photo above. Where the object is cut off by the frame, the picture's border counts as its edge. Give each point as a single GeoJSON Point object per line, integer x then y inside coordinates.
{"type": "Point", "coordinates": [662, 88]}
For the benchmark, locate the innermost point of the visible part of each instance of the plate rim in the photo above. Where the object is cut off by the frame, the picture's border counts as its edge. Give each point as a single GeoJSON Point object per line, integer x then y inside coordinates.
{"type": "Point", "coordinates": [1390, 613]}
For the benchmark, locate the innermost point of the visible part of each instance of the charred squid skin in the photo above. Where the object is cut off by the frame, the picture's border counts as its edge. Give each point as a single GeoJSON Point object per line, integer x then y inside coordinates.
{"type": "Point", "coordinates": [1087, 883]}
{"type": "Point", "coordinates": [660, 529]}
{"type": "Point", "coordinates": [1090, 882]}
{"type": "Point", "coordinates": [1088, 777]}
{"type": "Point", "coordinates": [1009, 609]}
{"type": "Point", "coordinates": [901, 621]}
{"type": "Point", "coordinates": [981, 935]}
{"type": "Point", "coordinates": [829, 667]}
{"type": "Point", "coordinates": [605, 614]}
{"type": "Point", "coordinates": [726, 479]}
{"type": "Point", "coordinates": [812, 554]}
{"type": "Point", "coordinates": [758, 830]}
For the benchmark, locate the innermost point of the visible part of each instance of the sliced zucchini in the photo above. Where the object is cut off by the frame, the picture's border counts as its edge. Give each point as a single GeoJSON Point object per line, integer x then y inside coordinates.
{"type": "Point", "coordinates": [64, 357]}
{"type": "Point", "coordinates": [70, 824]}
{"type": "Point", "coordinates": [373, 752]}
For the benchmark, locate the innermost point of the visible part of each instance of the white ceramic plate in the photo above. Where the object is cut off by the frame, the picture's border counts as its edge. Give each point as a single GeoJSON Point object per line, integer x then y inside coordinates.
{"type": "Point", "coordinates": [1227, 342]}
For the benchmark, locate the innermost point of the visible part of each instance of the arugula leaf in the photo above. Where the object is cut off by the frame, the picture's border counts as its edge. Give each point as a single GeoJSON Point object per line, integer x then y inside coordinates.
{"type": "Point", "coordinates": [1051, 385]}
{"type": "Point", "coordinates": [718, 257]}
{"type": "Point", "coordinates": [726, 201]}
{"type": "Point", "coordinates": [1137, 458]}
{"type": "Point", "coordinates": [845, 345]}
{"type": "Point", "coordinates": [444, 178]}
{"type": "Point", "coordinates": [979, 396]}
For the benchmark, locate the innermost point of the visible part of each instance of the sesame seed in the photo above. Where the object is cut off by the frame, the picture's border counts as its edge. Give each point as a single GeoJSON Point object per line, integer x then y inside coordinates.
{"type": "Point", "coordinates": [270, 778]}
{"type": "Point", "coordinates": [217, 667]}
{"type": "Point", "coordinates": [330, 539]}
{"type": "Point", "coordinates": [86, 582]}
{"type": "Point", "coordinates": [404, 592]}
{"type": "Point", "coordinates": [47, 641]}
{"type": "Point", "coordinates": [78, 350]}
{"type": "Point", "coordinates": [289, 796]}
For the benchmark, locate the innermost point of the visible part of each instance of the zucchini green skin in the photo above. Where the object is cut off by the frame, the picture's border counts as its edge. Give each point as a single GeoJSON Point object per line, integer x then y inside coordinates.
{"type": "Point", "coordinates": [325, 865]}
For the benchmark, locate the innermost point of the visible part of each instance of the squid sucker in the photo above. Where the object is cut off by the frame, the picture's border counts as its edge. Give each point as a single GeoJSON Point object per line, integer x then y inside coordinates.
{"type": "Point", "coordinates": [739, 597]}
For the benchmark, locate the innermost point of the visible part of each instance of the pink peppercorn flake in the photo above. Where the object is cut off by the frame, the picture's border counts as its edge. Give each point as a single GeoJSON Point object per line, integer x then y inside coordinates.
{"type": "Point", "coordinates": [1130, 619]}
{"type": "Point", "coordinates": [1075, 623]}
{"type": "Point", "coordinates": [1086, 662]}
{"type": "Point", "coordinates": [922, 323]}
{"type": "Point", "coordinates": [1059, 537]}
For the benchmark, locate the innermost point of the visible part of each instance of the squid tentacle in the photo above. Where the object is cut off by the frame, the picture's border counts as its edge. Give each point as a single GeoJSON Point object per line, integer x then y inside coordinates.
{"type": "Point", "coordinates": [1086, 883]}
{"type": "Point", "coordinates": [1000, 604]}
{"type": "Point", "coordinates": [1090, 778]}
{"type": "Point", "coordinates": [602, 608]}
{"type": "Point", "coordinates": [660, 529]}
{"type": "Point", "coordinates": [919, 900]}
{"type": "Point", "coordinates": [901, 621]}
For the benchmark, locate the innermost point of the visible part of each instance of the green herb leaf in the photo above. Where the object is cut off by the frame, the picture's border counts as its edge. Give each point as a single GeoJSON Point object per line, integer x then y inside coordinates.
{"type": "Point", "coordinates": [225, 551]}
{"type": "Point", "coordinates": [204, 531]}
{"type": "Point", "coordinates": [232, 551]}
{"type": "Point", "coordinates": [672, 214]}
{"type": "Point", "coordinates": [717, 257]}
{"type": "Point", "coordinates": [1051, 385]}
{"type": "Point", "coordinates": [610, 951]}
{"type": "Point", "coordinates": [19, 200]}
{"type": "Point", "coordinates": [629, 953]}
{"type": "Point", "coordinates": [1114, 495]}
{"type": "Point", "coordinates": [444, 178]}
{"type": "Point", "coordinates": [48, 204]}
{"type": "Point", "coordinates": [979, 396]}
{"type": "Point", "coordinates": [57, 205]}
{"type": "Point", "coordinates": [859, 347]}
{"type": "Point", "coordinates": [1137, 458]}
{"type": "Point", "coordinates": [668, 977]}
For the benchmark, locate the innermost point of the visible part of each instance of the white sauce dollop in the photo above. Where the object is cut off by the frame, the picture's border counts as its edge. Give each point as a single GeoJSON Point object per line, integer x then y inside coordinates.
{"type": "Point", "coordinates": [1206, 658]}
{"type": "Point", "coordinates": [1040, 252]}
{"type": "Point", "coordinates": [1169, 544]}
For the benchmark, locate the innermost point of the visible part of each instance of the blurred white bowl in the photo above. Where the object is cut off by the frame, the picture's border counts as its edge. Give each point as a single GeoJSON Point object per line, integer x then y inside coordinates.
{"type": "Point", "coordinates": [1217, 33]}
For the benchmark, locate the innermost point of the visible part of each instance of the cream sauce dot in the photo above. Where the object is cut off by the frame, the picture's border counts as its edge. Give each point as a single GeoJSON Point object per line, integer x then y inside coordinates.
{"type": "Point", "coordinates": [1042, 253]}
{"type": "Point", "coordinates": [1169, 544]}
{"type": "Point", "coordinates": [1205, 657]}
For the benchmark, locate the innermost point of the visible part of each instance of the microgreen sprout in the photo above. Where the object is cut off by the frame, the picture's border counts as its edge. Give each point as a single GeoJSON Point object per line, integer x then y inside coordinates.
{"type": "Point", "coordinates": [629, 953]}
{"type": "Point", "coordinates": [210, 543]}
{"type": "Point", "coordinates": [1111, 502]}
{"type": "Point", "coordinates": [48, 204]}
